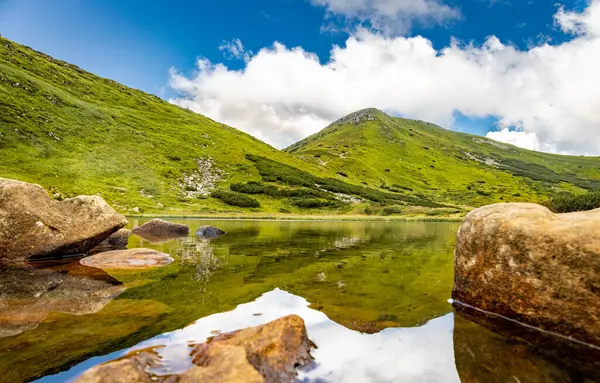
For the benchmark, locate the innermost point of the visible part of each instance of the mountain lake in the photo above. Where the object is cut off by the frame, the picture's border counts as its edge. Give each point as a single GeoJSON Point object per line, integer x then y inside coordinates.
{"type": "Point", "coordinates": [374, 297]}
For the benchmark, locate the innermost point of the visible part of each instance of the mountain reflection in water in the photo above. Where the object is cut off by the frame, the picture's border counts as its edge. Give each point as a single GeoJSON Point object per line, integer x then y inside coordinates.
{"type": "Point", "coordinates": [446, 349]}
{"type": "Point", "coordinates": [378, 305]}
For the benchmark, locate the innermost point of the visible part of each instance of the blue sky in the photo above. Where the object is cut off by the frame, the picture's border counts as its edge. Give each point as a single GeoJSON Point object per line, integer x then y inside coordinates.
{"type": "Point", "coordinates": [137, 42]}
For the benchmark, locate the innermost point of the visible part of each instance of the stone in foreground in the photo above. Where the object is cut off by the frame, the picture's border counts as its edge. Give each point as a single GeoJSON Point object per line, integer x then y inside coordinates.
{"type": "Point", "coordinates": [157, 230]}
{"type": "Point", "coordinates": [117, 241]}
{"type": "Point", "coordinates": [209, 232]}
{"type": "Point", "coordinates": [527, 264]}
{"type": "Point", "coordinates": [133, 368]}
{"type": "Point", "coordinates": [32, 226]}
{"type": "Point", "coordinates": [269, 353]}
{"type": "Point", "coordinates": [139, 258]}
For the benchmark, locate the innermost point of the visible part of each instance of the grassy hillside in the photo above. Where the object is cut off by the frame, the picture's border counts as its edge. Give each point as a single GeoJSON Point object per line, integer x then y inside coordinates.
{"type": "Point", "coordinates": [415, 158]}
{"type": "Point", "coordinates": [76, 133]}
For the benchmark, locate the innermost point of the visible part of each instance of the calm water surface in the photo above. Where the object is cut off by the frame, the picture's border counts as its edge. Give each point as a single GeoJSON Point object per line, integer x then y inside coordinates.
{"type": "Point", "coordinates": [373, 296]}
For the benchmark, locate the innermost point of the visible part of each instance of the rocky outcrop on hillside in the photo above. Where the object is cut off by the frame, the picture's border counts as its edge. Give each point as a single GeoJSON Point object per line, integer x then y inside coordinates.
{"type": "Point", "coordinates": [33, 226]}
{"type": "Point", "coordinates": [367, 114]}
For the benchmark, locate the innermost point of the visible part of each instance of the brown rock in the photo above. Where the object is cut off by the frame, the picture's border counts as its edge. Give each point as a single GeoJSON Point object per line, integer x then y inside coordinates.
{"type": "Point", "coordinates": [228, 364]}
{"type": "Point", "coordinates": [34, 226]}
{"type": "Point", "coordinates": [157, 230]}
{"type": "Point", "coordinates": [139, 258]}
{"type": "Point", "coordinates": [274, 349]}
{"type": "Point", "coordinates": [268, 353]}
{"type": "Point", "coordinates": [28, 294]}
{"type": "Point", "coordinates": [527, 264]}
{"type": "Point", "coordinates": [131, 368]}
{"type": "Point", "coordinates": [116, 241]}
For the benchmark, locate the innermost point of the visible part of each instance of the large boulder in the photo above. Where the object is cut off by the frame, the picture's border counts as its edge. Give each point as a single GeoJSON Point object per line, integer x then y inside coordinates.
{"type": "Point", "coordinates": [521, 264]}
{"type": "Point", "coordinates": [34, 226]}
{"type": "Point", "coordinates": [209, 232]}
{"type": "Point", "coordinates": [158, 230]}
{"type": "Point", "coordinates": [269, 353]}
{"type": "Point", "coordinates": [138, 258]}
{"type": "Point", "coordinates": [116, 241]}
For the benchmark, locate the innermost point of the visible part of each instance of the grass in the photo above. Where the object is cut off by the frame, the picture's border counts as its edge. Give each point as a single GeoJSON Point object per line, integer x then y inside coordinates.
{"type": "Point", "coordinates": [425, 161]}
{"type": "Point", "coordinates": [235, 199]}
{"type": "Point", "coordinates": [76, 133]}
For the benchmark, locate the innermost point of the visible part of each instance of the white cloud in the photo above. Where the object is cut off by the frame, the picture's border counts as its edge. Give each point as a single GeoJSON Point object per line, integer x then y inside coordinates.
{"type": "Point", "coordinates": [234, 49]}
{"type": "Point", "coordinates": [527, 140]}
{"type": "Point", "coordinates": [587, 22]}
{"type": "Point", "coordinates": [389, 16]}
{"type": "Point", "coordinates": [548, 92]}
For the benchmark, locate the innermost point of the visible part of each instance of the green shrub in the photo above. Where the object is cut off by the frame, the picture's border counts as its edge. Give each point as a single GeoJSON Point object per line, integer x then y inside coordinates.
{"type": "Point", "coordinates": [272, 171]}
{"type": "Point", "coordinates": [566, 203]}
{"type": "Point", "coordinates": [389, 210]}
{"type": "Point", "coordinates": [235, 199]}
{"type": "Point", "coordinates": [310, 202]}
{"type": "Point", "coordinates": [251, 187]}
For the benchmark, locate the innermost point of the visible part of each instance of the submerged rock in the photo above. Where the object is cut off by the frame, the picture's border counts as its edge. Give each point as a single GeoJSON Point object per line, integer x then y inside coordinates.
{"type": "Point", "coordinates": [116, 241]}
{"type": "Point", "coordinates": [157, 230]}
{"type": "Point", "coordinates": [28, 294]}
{"type": "Point", "coordinates": [209, 232]}
{"type": "Point", "coordinates": [139, 258]}
{"type": "Point", "coordinates": [34, 226]}
{"type": "Point", "coordinates": [526, 264]}
{"type": "Point", "coordinates": [267, 353]}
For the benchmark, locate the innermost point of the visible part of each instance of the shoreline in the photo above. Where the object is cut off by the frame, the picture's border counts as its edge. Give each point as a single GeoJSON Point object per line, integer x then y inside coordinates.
{"type": "Point", "coordinates": [300, 218]}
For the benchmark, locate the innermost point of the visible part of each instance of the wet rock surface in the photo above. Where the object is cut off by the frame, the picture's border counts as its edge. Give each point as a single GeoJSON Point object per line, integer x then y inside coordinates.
{"type": "Point", "coordinates": [28, 294]}
{"type": "Point", "coordinates": [267, 353]}
{"type": "Point", "coordinates": [138, 258]}
{"type": "Point", "coordinates": [116, 241]}
{"type": "Point", "coordinates": [132, 368]}
{"type": "Point", "coordinates": [209, 232]}
{"type": "Point", "coordinates": [34, 226]}
{"type": "Point", "coordinates": [158, 230]}
{"type": "Point", "coordinates": [527, 264]}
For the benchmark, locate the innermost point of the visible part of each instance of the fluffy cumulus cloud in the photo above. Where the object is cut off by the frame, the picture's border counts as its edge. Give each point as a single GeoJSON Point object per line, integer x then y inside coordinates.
{"type": "Point", "coordinates": [388, 16]}
{"type": "Point", "coordinates": [546, 98]}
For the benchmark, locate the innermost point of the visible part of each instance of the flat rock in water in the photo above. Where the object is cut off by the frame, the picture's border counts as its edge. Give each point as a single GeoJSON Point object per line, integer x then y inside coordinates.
{"type": "Point", "coordinates": [209, 232]}
{"type": "Point", "coordinates": [116, 241]}
{"type": "Point", "coordinates": [268, 353]}
{"type": "Point", "coordinates": [128, 259]}
{"type": "Point", "coordinates": [34, 226]}
{"type": "Point", "coordinates": [527, 264]}
{"type": "Point", "coordinates": [157, 230]}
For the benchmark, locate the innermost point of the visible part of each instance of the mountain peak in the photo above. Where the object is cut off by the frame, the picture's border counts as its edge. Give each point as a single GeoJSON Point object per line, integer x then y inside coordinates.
{"type": "Point", "coordinates": [367, 114]}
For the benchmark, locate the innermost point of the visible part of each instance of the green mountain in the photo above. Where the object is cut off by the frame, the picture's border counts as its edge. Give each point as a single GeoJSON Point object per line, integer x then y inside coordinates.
{"type": "Point", "coordinates": [77, 133]}
{"type": "Point", "coordinates": [419, 158]}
